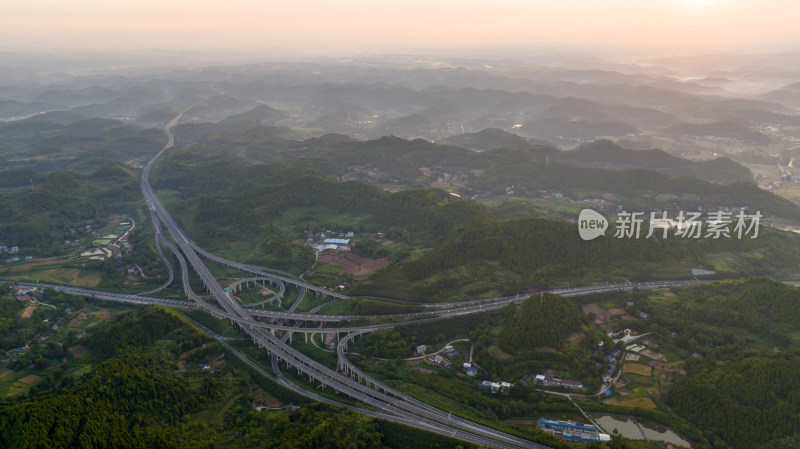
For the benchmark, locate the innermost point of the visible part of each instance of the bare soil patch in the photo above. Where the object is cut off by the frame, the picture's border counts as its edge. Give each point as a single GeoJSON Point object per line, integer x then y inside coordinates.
{"type": "Point", "coordinates": [354, 264]}
{"type": "Point", "coordinates": [601, 315]}
{"type": "Point", "coordinates": [545, 349]}
{"type": "Point", "coordinates": [653, 355]}
{"type": "Point", "coordinates": [28, 312]}
{"type": "Point", "coordinates": [30, 379]}
{"type": "Point", "coordinates": [262, 397]}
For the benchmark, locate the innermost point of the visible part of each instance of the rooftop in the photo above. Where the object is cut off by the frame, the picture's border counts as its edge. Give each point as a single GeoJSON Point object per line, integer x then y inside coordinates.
{"type": "Point", "coordinates": [336, 241]}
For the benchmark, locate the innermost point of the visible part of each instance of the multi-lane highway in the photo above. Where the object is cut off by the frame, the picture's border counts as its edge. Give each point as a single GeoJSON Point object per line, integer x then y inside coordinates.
{"type": "Point", "coordinates": [418, 416]}
{"type": "Point", "coordinates": [389, 403]}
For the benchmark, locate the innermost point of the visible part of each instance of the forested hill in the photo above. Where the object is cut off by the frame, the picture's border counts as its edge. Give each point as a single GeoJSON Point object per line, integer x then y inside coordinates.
{"type": "Point", "coordinates": [750, 404]}
{"type": "Point", "coordinates": [194, 172]}
{"type": "Point", "coordinates": [430, 214]}
{"type": "Point", "coordinates": [42, 214]}
{"type": "Point", "coordinates": [542, 320]}
{"type": "Point", "coordinates": [607, 154]}
{"type": "Point", "coordinates": [538, 252]}
{"type": "Point", "coordinates": [639, 180]}
{"type": "Point", "coordinates": [740, 343]}
{"type": "Point", "coordinates": [82, 144]}
{"type": "Point", "coordinates": [493, 138]}
{"type": "Point", "coordinates": [401, 158]}
{"type": "Point", "coordinates": [726, 317]}
{"type": "Point", "coordinates": [453, 247]}
{"type": "Point", "coordinates": [135, 398]}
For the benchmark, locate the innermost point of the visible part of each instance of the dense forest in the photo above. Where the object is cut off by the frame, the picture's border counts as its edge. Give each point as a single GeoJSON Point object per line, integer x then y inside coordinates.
{"type": "Point", "coordinates": [507, 256]}
{"type": "Point", "coordinates": [42, 214]}
{"type": "Point", "coordinates": [726, 318]}
{"type": "Point", "coordinates": [147, 389]}
{"type": "Point", "coordinates": [546, 320]}
{"type": "Point", "coordinates": [740, 341]}
{"type": "Point", "coordinates": [544, 332]}
{"type": "Point", "coordinates": [640, 179]}
{"type": "Point", "coordinates": [60, 141]}
{"type": "Point", "coordinates": [272, 216]}
{"type": "Point", "coordinates": [751, 403]}
{"type": "Point", "coordinates": [17, 331]}
{"type": "Point", "coordinates": [136, 398]}
{"type": "Point", "coordinates": [453, 248]}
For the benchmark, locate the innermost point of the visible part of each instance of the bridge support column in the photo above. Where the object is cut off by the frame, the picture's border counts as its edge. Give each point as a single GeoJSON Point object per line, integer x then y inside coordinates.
{"type": "Point", "coordinates": [306, 334]}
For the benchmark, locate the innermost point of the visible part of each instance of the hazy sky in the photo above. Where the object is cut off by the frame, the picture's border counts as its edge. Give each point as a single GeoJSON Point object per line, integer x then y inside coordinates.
{"type": "Point", "coordinates": [315, 25]}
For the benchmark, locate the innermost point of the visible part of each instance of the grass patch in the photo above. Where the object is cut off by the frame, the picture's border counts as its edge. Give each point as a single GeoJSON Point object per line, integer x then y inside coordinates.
{"type": "Point", "coordinates": [217, 416]}
{"type": "Point", "coordinates": [78, 351]}
{"type": "Point", "coordinates": [60, 275]}
{"type": "Point", "coordinates": [329, 359]}
{"type": "Point", "coordinates": [498, 353]}
{"type": "Point", "coordinates": [638, 368]}
{"type": "Point", "coordinates": [640, 402]}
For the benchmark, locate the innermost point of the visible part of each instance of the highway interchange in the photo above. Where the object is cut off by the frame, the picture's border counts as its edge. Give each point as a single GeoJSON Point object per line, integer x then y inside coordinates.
{"type": "Point", "coordinates": [261, 325]}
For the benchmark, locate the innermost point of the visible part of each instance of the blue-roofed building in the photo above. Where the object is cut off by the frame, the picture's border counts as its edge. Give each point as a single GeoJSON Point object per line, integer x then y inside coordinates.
{"type": "Point", "coordinates": [572, 431]}
{"type": "Point", "coordinates": [332, 245]}
{"type": "Point", "coordinates": [336, 242]}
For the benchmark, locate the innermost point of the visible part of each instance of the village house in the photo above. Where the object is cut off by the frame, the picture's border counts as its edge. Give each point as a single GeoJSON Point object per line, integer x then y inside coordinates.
{"type": "Point", "coordinates": [548, 380]}
{"type": "Point", "coordinates": [441, 361]}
